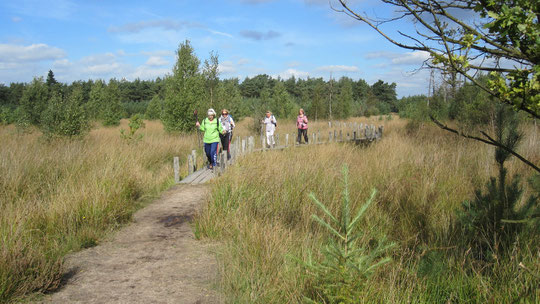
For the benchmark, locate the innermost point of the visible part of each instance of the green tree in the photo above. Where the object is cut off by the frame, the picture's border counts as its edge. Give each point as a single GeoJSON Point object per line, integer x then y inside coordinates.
{"type": "Point", "coordinates": [97, 100]}
{"type": "Point", "coordinates": [211, 75]}
{"type": "Point", "coordinates": [65, 116]}
{"type": "Point", "coordinates": [112, 112]}
{"type": "Point", "coordinates": [281, 101]}
{"type": "Point", "coordinates": [33, 102]}
{"type": "Point", "coordinates": [184, 90]}
{"type": "Point", "coordinates": [344, 101]}
{"type": "Point", "coordinates": [155, 108]}
{"type": "Point", "coordinates": [500, 37]}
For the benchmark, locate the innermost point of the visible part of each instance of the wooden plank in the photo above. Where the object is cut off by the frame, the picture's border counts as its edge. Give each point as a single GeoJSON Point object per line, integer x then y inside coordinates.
{"type": "Point", "coordinates": [202, 177]}
{"type": "Point", "coordinates": [193, 176]}
{"type": "Point", "coordinates": [207, 177]}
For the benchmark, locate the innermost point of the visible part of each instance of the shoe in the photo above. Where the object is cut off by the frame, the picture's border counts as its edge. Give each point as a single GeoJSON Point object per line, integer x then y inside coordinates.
{"type": "Point", "coordinates": [210, 167]}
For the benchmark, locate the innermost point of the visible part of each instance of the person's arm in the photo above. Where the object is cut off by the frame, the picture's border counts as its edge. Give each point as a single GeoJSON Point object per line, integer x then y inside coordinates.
{"type": "Point", "coordinates": [220, 127]}
{"type": "Point", "coordinates": [305, 120]}
{"type": "Point", "coordinates": [232, 124]}
{"type": "Point", "coordinates": [203, 126]}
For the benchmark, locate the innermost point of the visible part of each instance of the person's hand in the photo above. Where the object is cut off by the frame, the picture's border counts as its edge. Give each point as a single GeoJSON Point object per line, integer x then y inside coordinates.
{"type": "Point", "coordinates": [197, 124]}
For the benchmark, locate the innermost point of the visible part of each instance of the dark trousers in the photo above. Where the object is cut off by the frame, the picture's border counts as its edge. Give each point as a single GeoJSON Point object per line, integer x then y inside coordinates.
{"type": "Point", "coordinates": [226, 143]}
{"type": "Point", "coordinates": [211, 152]}
{"type": "Point", "coordinates": [304, 133]}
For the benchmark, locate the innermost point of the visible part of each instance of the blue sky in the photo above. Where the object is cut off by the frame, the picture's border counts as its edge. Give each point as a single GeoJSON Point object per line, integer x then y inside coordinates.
{"type": "Point", "coordinates": [137, 39]}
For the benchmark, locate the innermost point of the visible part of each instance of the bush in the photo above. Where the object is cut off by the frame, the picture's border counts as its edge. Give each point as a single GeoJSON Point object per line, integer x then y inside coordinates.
{"type": "Point", "coordinates": [154, 108]}
{"type": "Point", "coordinates": [65, 116]}
{"type": "Point", "coordinates": [7, 115]}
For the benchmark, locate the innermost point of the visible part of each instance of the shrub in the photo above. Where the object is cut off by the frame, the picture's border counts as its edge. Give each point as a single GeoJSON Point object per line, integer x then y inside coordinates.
{"type": "Point", "coordinates": [65, 116]}
{"type": "Point", "coordinates": [135, 123]}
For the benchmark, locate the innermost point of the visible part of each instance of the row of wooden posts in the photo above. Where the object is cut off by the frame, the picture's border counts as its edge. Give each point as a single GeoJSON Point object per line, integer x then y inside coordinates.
{"type": "Point", "coordinates": [353, 132]}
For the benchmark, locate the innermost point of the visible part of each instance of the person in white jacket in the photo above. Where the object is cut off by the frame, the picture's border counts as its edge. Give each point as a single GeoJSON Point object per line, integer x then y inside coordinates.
{"type": "Point", "coordinates": [271, 124]}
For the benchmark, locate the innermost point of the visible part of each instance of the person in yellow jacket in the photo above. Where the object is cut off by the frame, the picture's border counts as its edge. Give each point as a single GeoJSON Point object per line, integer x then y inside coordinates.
{"type": "Point", "coordinates": [211, 128]}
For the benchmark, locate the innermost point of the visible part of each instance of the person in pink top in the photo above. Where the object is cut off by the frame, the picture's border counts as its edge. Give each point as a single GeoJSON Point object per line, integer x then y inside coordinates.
{"type": "Point", "coordinates": [301, 124]}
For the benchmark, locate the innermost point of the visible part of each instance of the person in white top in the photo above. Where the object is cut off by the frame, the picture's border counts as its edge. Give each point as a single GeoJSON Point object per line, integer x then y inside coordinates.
{"type": "Point", "coordinates": [271, 124]}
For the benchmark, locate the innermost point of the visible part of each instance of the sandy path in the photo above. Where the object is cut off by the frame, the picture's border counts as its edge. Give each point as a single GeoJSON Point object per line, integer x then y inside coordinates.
{"type": "Point", "coordinates": [154, 260]}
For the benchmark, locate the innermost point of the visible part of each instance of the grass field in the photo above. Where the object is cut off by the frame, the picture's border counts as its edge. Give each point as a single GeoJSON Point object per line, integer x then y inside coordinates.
{"type": "Point", "coordinates": [60, 196]}
{"type": "Point", "coordinates": [261, 213]}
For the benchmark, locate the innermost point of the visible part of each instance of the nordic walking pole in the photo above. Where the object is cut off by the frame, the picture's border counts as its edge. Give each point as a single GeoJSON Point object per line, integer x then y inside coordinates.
{"type": "Point", "coordinates": [198, 130]}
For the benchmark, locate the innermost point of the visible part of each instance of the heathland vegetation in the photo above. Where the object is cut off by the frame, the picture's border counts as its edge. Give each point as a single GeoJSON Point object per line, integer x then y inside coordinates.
{"type": "Point", "coordinates": [452, 219]}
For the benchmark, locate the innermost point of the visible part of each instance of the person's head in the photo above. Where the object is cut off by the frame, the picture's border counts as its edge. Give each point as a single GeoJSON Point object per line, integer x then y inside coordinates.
{"type": "Point", "coordinates": [224, 112]}
{"type": "Point", "coordinates": [268, 114]}
{"type": "Point", "coordinates": [211, 113]}
{"type": "Point", "coordinates": [301, 112]}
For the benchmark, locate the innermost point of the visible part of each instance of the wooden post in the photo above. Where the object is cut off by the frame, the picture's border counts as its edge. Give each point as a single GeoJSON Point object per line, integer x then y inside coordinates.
{"type": "Point", "coordinates": [263, 141]}
{"type": "Point", "coordinates": [286, 139]}
{"type": "Point", "coordinates": [277, 140]}
{"type": "Point", "coordinates": [340, 135]}
{"type": "Point", "coordinates": [318, 136]}
{"type": "Point", "coordinates": [223, 161]}
{"type": "Point", "coordinates": [176, 166]}
{"type": "Point", "coordinates": [190, 164]}
{"type": "Point", "coordinates": [313, 138]}
{"type": "Point", "coordinates": [330, 136]}
{"type": "Point", "coordinates": [194, 159]}
{"type": "Point", "coordinates": [243, 146]}
{"type": "Point", "coordinates": [329, 124]}
{"type": "Point", "coordinates": [354, 136]}
{"type": "Point", "coordinates": [335, 136]}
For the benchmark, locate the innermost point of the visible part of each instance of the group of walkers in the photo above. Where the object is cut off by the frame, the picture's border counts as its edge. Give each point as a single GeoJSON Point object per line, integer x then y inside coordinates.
{"type": "Point", "coordinates": [220, 130]}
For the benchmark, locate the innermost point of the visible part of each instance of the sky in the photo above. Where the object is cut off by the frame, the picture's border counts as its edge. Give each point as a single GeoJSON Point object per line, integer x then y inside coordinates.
{"type": "Point", "coordinates": [102, 39]}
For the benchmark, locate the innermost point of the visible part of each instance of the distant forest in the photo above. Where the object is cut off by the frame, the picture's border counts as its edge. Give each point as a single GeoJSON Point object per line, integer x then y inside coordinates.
{"type": "Point", "coordinates": [319, 98]}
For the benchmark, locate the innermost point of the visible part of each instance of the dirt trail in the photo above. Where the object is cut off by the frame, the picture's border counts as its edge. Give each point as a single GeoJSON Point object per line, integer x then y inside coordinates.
{"type": "Point", "coordinates": [154, 260]}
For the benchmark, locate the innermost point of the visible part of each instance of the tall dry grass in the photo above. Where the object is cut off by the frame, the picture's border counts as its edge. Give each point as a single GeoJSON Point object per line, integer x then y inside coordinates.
{"type": "Point", "coordinates": [59, 196]}
{"type": "Point", "coordinates": [261, 213]}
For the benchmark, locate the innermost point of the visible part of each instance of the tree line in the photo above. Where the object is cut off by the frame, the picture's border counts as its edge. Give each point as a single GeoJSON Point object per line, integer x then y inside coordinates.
{"type": "Point", "coordinates": [191, 86]}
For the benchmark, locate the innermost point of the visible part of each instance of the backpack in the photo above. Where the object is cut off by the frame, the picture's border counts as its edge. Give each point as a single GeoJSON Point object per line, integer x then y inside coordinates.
{"type": "Point", "coordinates": [274, 119]}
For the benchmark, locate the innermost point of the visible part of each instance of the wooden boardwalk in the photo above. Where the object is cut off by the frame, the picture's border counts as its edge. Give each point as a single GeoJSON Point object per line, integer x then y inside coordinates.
{"type": "Point", "coordinates": [358, 134]}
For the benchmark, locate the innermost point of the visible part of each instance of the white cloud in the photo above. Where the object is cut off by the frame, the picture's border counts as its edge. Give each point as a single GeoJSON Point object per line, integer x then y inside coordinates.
{"type": "Point", "coordinates": [227, 67]}
{"type": "Point", "coordinates": [338, 68]}
{"type": "Point", "coordinates": [242, 61]}
{"type": "Point", "coordinates": [166, 24]}
{"type": "Point", "coordinates": [156, 61]}
{"type": "Point", "coordinates": [409, 58]}
{"type": "Point", "coordinates": [293, 72]}
{"type": "Point", "coordinates": [31, 53]}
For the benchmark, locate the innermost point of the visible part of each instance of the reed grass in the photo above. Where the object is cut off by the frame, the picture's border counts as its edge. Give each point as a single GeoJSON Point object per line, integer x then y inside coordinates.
{"type": "Point", "coordinates": [260, 212]}
{"type": "Point", "coordinates": [63, 195]}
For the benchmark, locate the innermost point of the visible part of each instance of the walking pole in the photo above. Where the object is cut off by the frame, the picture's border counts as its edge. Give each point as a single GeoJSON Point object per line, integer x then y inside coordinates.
{"type": "Point", "coordinates": [198, 130]}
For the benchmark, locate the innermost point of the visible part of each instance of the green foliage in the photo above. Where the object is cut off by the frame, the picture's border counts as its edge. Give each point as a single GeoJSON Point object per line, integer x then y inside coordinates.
{"type": "Point", "coordinates": [281, 103]}
{"type": "Point", "coordinates": [131, 108]}
{"type": "Point", "coordinates": [491, 222]}
{"type": "Point", "coordinates": [7, 115]}
{"type": "Point", "coordinates": [65, 116]}
{"type": "Point", "coordinates": [344, 102]}
{"type": "Point", "coordinates": [112, 111]}
{"type": "Point", "coordinates": [135, 123]}
{"type": "Point", "coordinates": [154, 108]}
{"type": "Point", "coordinates": [211, 75]}
{"type": "Point", "coordinates": [184, 90]}
{"type": "Point", "coordinates": [97, 100]}
{"type": "Point", "coordinates": [33, 102]}
{"type": "Point", "coordinates": [346, 264]}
